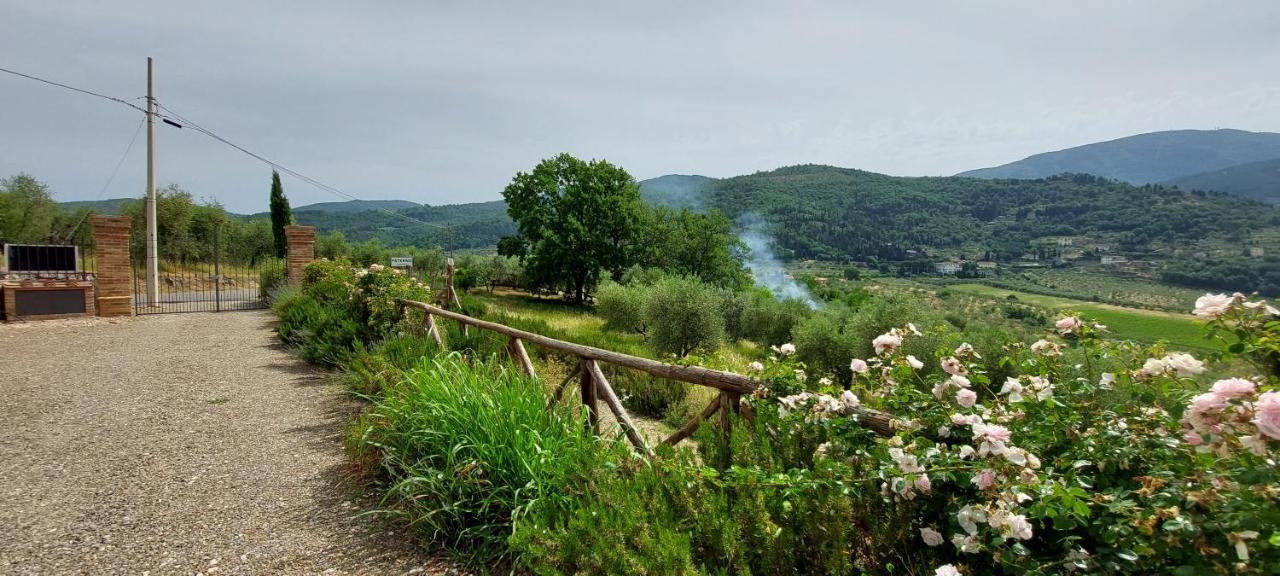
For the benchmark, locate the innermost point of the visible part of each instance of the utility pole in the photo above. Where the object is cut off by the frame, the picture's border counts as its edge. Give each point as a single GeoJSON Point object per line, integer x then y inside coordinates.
{"type": "Point", "coordinates": [153, 265]}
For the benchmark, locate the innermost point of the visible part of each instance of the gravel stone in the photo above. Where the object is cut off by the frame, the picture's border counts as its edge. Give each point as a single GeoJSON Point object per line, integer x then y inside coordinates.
{"type": "Point", "coordinates": [179, 444]}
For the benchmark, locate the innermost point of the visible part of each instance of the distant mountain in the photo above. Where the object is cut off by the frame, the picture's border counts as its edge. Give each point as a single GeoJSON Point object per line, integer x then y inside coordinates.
{"type": "Point", "coordinates": [676, 190]}
{"type": "Point", "coordinates": [1256, 180]}
{"type": "Point", "coordinates": [357, 206]}
{"type": "Point", "coordinates": [1147, 158]}
{"type": "Point", "coordinates": [110, 206]}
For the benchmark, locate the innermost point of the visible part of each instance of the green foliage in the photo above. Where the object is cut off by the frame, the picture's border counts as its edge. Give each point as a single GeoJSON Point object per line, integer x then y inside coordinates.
{"type": "Point", "coordinates": [332, 246]}
{"type": "Point", "coordinates": [338, 309]}
{"type": "Point", "coordinates": [577, 218]}
{"type": "Point", "coordinates": [281, 215]}
{"type": "Point", "coordinates": [757, 315]}
{"type": "Point", "coordinates": [623, 307]}
{"type": "Point", "coordinates": [1237, 273]}
{"type": "Point", "coordinates": [689, 243]}
{"type": "Point", "coordinates": [28, 214]}
{"type": "Point", "coordinates": [271, 278]}
{"type": "Point", "coordinates": [683, 315]}
{"type": "Point", "coordinates": [467, 486]}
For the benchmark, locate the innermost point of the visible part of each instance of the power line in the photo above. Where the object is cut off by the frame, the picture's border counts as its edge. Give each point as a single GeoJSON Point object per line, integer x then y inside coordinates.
{"type": "Point", "coordinates": [451, 229]}
{"type": "Point", "coordinates": [186, 122]}
{"type": "Point", "coordinates": [111, 178]}
{"type": "Point", "coordinates": [73, 88]}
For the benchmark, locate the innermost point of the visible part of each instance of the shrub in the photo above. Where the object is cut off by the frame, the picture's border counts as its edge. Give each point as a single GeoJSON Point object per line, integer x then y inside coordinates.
{"type": "Point", "coordinates": [758, 316]}
{"type": "Point", "coordinates": [270, 279]}
{"type": "Point", "coordinates": [622, 306]}
{"type": "Point", "coordinates": [683, 315]}
{"type": "Point", "coordinates": [470, 449]}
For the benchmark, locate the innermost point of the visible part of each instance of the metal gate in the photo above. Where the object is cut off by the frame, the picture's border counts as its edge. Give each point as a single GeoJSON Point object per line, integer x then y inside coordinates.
{"type": "Point", "coordinates": [214, 283]}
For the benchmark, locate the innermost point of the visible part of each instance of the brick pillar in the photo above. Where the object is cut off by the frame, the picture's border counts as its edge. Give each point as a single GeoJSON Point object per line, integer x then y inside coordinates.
{"type": "Point", "coordinates": [302, 250]}
{"type": "Point", "coordinates": [113, 269]}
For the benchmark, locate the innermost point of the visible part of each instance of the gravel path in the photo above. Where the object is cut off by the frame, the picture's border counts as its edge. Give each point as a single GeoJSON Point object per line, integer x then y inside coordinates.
{"type": "Point", "coordinates": [181, 444]}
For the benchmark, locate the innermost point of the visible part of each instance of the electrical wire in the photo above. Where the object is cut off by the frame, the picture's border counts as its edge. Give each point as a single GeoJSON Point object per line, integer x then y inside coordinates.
{"type": "Point", "coordinates": [73, 88]}
{"type": "Point", "coordinates": [187, 122]}
{"type": "Point", "coordinates": [111, 178]}
{"type": "Point", "coordinates": [275, 165]}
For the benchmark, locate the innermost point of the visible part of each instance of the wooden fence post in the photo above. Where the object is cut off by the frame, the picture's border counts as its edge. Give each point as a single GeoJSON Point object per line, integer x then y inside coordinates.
{"type": "Point", "coordinates": [587, 389]}
{"type": "Point", "coordinates": [615, 405]}
{"type": "Point", "coordinates": [521, 357]}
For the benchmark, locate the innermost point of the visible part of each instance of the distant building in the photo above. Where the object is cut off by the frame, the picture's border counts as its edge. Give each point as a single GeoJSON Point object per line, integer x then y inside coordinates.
{"type": "Point", "coordinates": [948, 267]}
{"type": "Point", "coordinates": [1109, 260]}
{"type": "Point", "coordinates": [1066, 241]}
{"type": "Point", "coordinates": [1256, 251]}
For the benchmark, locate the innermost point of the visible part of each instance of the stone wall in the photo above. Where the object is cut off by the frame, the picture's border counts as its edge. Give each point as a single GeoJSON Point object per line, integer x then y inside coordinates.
{"type": "Point", "coordinates": [113, 268]}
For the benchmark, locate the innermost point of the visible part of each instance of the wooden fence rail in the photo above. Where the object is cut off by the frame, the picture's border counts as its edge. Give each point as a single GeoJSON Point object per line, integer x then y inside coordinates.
{"type": "Point", "coordinates": [595, 387]}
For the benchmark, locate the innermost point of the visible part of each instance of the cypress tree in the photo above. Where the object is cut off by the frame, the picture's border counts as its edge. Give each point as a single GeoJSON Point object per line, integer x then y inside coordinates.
{"type": "Point", "coordinates": [281, 214]}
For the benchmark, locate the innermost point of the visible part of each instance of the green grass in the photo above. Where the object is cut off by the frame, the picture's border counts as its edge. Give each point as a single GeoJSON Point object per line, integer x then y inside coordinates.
{"type": "Point", "coordinates": [465, 485]}
{"type": "Point", "coordinates": [1179, 330]}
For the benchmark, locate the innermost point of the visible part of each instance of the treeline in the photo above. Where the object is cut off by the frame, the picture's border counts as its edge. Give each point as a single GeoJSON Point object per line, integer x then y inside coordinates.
{"type": "Point", "coordinates": [1230, 274]}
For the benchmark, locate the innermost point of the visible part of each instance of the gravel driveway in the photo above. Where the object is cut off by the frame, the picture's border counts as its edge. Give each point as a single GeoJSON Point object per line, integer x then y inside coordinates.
{"type": "Point", "coordinates": [181, 444]}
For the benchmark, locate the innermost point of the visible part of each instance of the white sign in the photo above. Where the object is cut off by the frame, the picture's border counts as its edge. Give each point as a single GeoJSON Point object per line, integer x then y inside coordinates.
{"type": "Point", "coordinates": [402, 262]}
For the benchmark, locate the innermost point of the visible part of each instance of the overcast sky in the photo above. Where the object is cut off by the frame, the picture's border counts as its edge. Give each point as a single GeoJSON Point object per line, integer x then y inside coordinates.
{"type": "Point", "coordinates": [442, 102]}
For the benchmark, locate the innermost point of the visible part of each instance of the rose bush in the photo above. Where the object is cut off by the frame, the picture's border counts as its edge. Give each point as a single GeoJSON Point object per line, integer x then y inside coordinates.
{"type": "Point", "coordinates": [1113, 462]}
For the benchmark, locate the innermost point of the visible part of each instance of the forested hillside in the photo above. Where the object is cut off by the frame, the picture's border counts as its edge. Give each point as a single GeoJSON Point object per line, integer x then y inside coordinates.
{"type": "Point", "coordinates": [1256, 180]}
{"type": "Point", "coordinates": [822, 212]}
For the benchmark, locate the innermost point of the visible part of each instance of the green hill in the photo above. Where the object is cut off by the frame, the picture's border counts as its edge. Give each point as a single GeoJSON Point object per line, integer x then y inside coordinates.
{"type": "Point", "coordinates": [357, 206]}
{"type": "Point", "coordinates": [676, 190]}
{"type": "Point", "coordinates": [828, 213]}
{"type": "Point", "coordinates": [1146, 158]}
{"type": "Point", "coordinates": [1256, 180]}
{"type": "Point", "coordinates": [477, 225]}
{"type": "Point", "coordinates": [109, 206]}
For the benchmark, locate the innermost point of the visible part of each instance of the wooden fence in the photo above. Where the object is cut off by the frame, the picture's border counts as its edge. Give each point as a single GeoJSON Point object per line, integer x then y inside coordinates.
{"type": "Point", "coordinates": [594, 387]}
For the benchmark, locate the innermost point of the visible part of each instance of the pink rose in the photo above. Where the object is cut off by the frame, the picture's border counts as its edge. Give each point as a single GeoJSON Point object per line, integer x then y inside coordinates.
{"type": "Point", "coordinates": [1193, 438]}
{"type": "Point", "coordinates": [1266, 414]}
{"type": "Point", "coordinates": [850, 400]}
{"type": "Point", "coordinates": [951, 365]}
{"type": "Point", "coordinates": [1067, 325]}
{"type": "Point", "coordinates": [858, 365]}
{"type": "Point", "coordinates": [1213, 305]}
{"type": "Point", "coordinates": [966, 397]}
{"type": "Point", "coordinates": [1206, 403]}
{"type": "Point", "coordinates": [984, 479]}
{"type": "Point", "coordinates": [931, 537]}
{"type": "Point", "coordinates": [914, 362]}
{"type": "Point", "coordinates": [887, 342]}
{"type": "Point", "coordinates": [923, 484]}
{"type": "Point", "coordinates": [993, 432]}
{"type": "Point", "coordinates": [1233, 388]}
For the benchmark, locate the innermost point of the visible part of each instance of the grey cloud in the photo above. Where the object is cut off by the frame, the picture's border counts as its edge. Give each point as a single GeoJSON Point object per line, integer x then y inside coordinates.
{"type": "Point", "coordinates": [443, 102]}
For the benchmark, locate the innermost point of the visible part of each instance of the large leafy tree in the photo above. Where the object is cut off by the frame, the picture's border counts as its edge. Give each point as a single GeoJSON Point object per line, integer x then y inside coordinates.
{"type": "Point", "coordinates": [281, 214]}
{"type": "Point", "coordinates": [693, 244]}
{"type": "Point", "coordinates": [575, 218]}
{"type": "Point", "coordinates": [27, 210]}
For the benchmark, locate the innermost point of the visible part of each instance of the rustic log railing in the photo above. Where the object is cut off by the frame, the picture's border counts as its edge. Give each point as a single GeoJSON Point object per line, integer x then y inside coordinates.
{"type": "Point", "coordinates": [593, 385]}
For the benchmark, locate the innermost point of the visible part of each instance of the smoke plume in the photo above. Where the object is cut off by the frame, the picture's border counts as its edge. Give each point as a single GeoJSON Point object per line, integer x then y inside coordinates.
{"type": "Point", "coordinates": [765, 267]}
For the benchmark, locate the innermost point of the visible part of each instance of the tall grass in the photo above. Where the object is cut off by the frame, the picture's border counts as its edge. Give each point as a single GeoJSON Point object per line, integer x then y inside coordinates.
{"type": "Point", "coordinates": [469, 448]}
